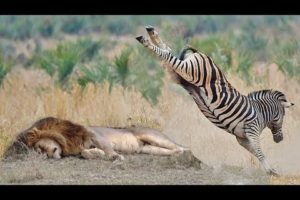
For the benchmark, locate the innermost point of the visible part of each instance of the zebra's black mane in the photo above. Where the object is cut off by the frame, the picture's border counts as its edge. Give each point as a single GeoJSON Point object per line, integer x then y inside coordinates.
{"type": "Point", "coordinates": [256, 95]}
{"type": "Point", "coordinates": [184, 51]}
{"type": "Point", "coordinates": [181, 81]}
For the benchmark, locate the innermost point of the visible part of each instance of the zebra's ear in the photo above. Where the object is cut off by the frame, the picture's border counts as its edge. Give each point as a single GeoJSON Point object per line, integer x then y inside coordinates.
{"type": "Point", "coordinates": [287, 104]}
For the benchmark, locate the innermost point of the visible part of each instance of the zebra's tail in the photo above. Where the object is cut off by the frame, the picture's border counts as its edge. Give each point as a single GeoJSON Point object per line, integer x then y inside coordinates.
{"type": "Point", "coordinates": [184, 51]}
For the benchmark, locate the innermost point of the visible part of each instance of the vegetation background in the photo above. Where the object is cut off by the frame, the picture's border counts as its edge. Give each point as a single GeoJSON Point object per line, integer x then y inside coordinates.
{"type": "Point", "coordinates": [91, 70]}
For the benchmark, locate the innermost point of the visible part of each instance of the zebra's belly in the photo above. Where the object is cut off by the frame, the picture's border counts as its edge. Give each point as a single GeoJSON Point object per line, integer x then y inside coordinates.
{"type": "Point", "coordinates": [209, 110]}
{"type": "Point", "coordinates": [236, 129]}
{"type": "Point", "coordinates": [232, 126]}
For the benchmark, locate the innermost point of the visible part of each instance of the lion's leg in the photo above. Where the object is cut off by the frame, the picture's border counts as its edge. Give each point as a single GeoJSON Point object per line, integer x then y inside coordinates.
{"type": "Point", "coordinates": [160, 141]}
{"type": "Point", "coordinates": [92, 153]}
{"type": "Point", "coordinates": [149, 149]}
{"type": "Point", "coordinates": [102, 144]}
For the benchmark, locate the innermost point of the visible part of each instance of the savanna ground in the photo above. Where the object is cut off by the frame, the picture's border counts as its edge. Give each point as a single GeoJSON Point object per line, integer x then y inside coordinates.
{"type": "Point", "coordinates": [98, 75]}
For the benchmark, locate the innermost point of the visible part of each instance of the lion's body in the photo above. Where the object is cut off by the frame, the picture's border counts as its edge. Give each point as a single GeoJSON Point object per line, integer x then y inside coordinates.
{"type": "Point", "coordinates": [132, 140]}
{"type": "Point", "coordinates": [95, 141]}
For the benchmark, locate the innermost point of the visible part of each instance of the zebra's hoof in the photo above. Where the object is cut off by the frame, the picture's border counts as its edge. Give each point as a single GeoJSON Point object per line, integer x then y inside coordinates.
{"type": "Point", "coordinates": [273, 173]}
{"type": "Point", "coordinates": [149, 28]}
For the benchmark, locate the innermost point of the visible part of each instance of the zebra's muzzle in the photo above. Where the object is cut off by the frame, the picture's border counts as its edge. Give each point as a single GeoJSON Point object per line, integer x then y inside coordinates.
{"type": "Point", "coordinates": [278, 137]}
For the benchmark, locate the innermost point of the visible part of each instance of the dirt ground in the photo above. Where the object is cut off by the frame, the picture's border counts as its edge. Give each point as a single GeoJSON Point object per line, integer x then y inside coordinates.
{"type": "Point", "coordinates": [185, 169]}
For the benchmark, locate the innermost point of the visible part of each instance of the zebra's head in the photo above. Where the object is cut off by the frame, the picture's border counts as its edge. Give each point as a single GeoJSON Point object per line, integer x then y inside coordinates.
{"type": "Point", "coordinates": [280, 103]}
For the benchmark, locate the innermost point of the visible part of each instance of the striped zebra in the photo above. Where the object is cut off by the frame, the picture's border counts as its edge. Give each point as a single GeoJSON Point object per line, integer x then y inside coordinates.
{"type": "Point", "coordinates": [243, 116]}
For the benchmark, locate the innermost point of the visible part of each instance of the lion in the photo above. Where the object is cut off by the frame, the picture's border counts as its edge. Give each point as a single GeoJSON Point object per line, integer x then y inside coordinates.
{"type": "Point", "coordinates": [49, 147]}
{"type": "Point", "coordinates": [59, 138]}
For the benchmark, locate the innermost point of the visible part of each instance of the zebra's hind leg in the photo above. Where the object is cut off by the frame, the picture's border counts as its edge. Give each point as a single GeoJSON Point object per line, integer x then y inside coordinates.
{"type": "Point", "coordinates": [156, 40]}
{"type": "Point", "coordinates": [252, 144]}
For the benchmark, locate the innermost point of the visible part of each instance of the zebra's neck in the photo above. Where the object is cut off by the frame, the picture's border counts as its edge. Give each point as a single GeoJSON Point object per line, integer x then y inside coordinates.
{"type": "Point", "coordinates": [264, 102]}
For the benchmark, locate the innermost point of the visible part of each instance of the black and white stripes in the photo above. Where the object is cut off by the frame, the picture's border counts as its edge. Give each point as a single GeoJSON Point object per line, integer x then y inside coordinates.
{"type": "Point", "coordinates": [243, 116]}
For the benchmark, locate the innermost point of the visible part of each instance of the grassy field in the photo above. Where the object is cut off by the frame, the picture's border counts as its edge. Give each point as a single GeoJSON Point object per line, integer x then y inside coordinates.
{"type": "Point", "coordinates": [104, 77]}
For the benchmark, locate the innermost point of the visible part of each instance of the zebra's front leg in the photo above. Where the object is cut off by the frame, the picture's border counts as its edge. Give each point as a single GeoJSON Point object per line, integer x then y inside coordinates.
{"type": "Point", "coordinates": [252, 144]}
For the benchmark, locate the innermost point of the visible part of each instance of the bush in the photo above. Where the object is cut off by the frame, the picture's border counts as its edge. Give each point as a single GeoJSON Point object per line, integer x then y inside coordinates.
{"type": "Point", "coordinates": [60, 62]}
{"type": "Point", "coordinates": [286, 55]}
{"type": "Point", "coordinates": [95, 74]}
{"type": "Point", "coordinates": [208, 45]}
{"type": "Point", "coordinates": [4, 69]}
{"type": "Point", "coordinates": [120, 25]}
{"type": "Point", "coordinates": [121, 64]}
{"type": "Point", "coordinates": [126, 73]}
{"type": "Point", "coordinates": [46, 29]}
{"type": "Point", "coordinates": [146, 74]}
{"type": "Point", "coordinates": [102, 71]}
{"type": "Point", "coordinates": [89, 49]}
{"type": "Point", "coordinates": [72, 25]}
{"type": "Point", "coordinates": [245, 61]}
{"type": "Point", "coordinates": [222, 58]}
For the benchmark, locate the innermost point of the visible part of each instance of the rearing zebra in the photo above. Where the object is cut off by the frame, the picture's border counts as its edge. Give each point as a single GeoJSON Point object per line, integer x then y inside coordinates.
{"type": "Point", "coordinates": [243, 116]}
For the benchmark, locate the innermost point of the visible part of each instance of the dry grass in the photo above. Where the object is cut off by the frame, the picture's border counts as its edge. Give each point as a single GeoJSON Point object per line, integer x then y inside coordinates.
{"type": "Point", "coordinates": [30, 95]}
{"type": "Point", "coordinates": [286, 180]}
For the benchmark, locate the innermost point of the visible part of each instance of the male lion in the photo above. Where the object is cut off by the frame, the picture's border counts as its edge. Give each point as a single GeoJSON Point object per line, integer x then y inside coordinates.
{"type": "Point", "coordinates": [58, 137]}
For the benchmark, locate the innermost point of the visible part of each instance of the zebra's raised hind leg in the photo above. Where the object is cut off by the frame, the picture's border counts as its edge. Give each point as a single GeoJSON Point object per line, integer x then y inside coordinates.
{"type": "Point", "coordinates": [252, 144]}
{"type": "Point", "coordinates": [155, 39]}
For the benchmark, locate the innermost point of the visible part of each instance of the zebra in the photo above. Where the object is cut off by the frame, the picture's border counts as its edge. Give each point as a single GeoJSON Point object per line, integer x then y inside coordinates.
{"type": "Point", "coordinates": [243, 116]}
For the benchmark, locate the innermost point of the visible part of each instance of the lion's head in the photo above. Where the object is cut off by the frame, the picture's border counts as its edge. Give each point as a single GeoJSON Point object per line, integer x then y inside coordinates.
{"type": "Point", "coordinates": [49, 147]}
{"type": "Point", "coordinates": [44, 141]}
